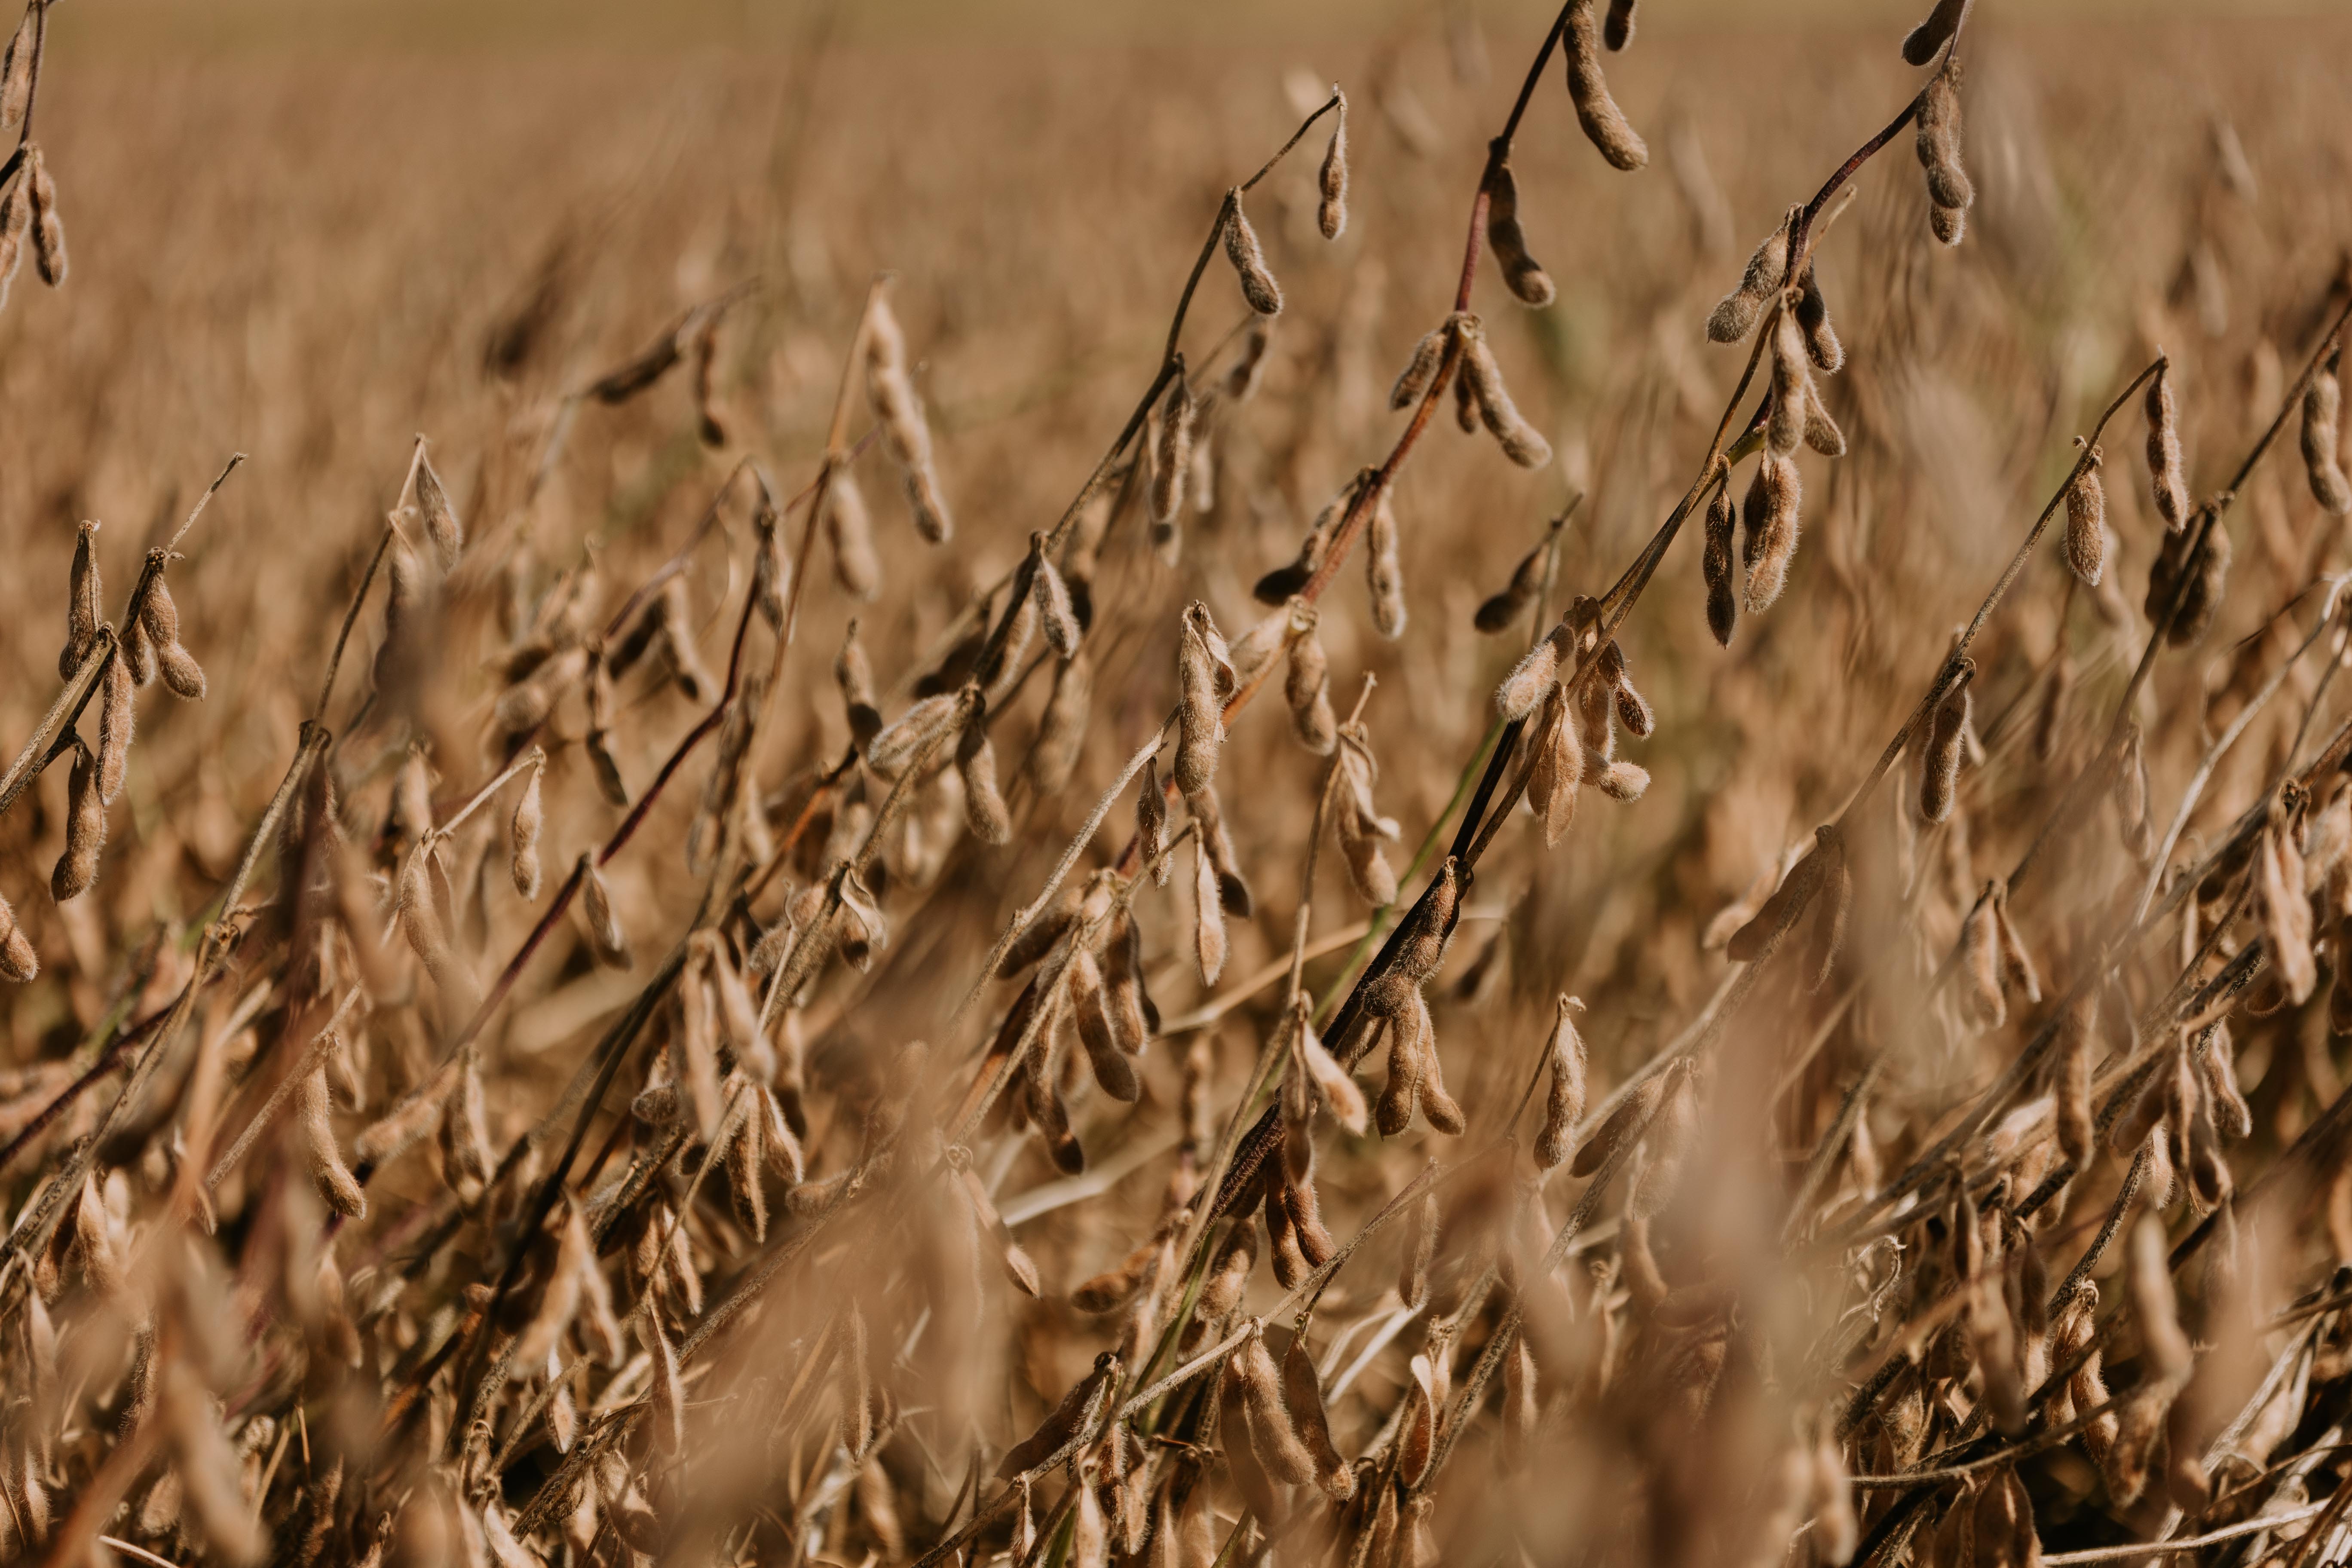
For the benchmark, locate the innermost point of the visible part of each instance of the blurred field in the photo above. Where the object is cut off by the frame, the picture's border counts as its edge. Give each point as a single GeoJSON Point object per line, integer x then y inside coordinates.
{"type": "Point", "coordinates": [311, 233]}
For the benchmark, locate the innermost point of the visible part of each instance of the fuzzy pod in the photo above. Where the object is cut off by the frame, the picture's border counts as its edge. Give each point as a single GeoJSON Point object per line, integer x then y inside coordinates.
{"type": "Point", "coordinates": [985, 813]}
{"type": "Point", "coordinates": [1089, 1001]}
{"type": "Point", "coordinates": [1564, 1099]}
{"type": "Point", "coordinates": [441, 523]}
{"type": "Point", "coordinates": [771, 569]}
{"type": "Point", "coordinates": [1151, 819]}
{"type": "Point", "coordinates": [1557, 775]}
{"type": "Point", "coordinates": [1618, 30]}
{"type": "Point", "coordinates": [1627, 1122]}
{"type": "Point", "coordinates": [1717, 566]}
{"type": "Point", "coordinates": [1248, 258]}
{"type": "Point", "coordinates": [1273, 1436]}
{"type": "Point", "coordinates": [182, 674]}
{"type": "Point", "coordinates": [1775, 498]}
{"type": "Point", "coordinates": [2164, 1347]}
{"type": "Point", "coordinates": [1384, 570]}
{"type": "Point", "coordinates": [1306, 687]}
{"type": "Point", "coordinates": [1331, 178]}
{"type": "Point", "coordinates": [1209, 916]}
{"type": "Point", "coordinates": [48, 228]}
{"type": "Point", "coordinates": [1939, 766]}
{"type": "Point", "coordinates": [1796, 892]}
{"type": "Point", "coordinates": [1604, 123]}
{"type": "Point", "coordinates": [1057, 617]}
{"type": "Point", "coordinates": [2219, 1069]}
{"type": "Point", "coordinates": [529, 816]}
{"type": "Point", "coordinates": [606, 940]}
{"type": "Point", "coordinates": [1793, 386]}
{"type": "Point", "coordinates": [1532, 678]}
{"type": "Point", "coordinates": [16, 70]}
{"type": "Point", "coordinates": [77, 868]}
{"type": "Point", "coordinates": [1413, 381]}
{"type": "Point", "coordinates": [1061, 739]}
{"type": "Point", "coordinates": [1302, 1391]}
{"type": "Point", "coordinates": [18, 962]}
{"type": "Point", "coordinates": [2078, 1045]}
{"type": "Point", "coordinates": [2086, 522]}
{"type": "Point", "coordinates": [1200, 713]}
{"type": "Point", "coordinates": [849, 530]}
{"type": "Point", "coordinates": [1821, 344]}
{"type": "Point", "coordinates": [1171, 454]}
{"type": "Point", "coordinates": [83, 594]}
{"type": "Point", "coordinates": [1526, 278]}
{"type": "Point", "coordinates": [1734, 315]}
{"type": "Point", "coordinates": [321, 1157]}
{"type": "Point", "coordinates": [676, 615]}
{"type": "Point", "coordinates": [894, 745]}
{"type": "Point", "coordinates": [1120, 1283]}
{"type": "Point", "coordinates": [1938, 142]}
{"type": "Point", "coordinates": [2164, 459]}
{"type": "Point", "coordinates": [2200, 597]}
{"type": "Point", "coordinates": [1483, 377]}
{"type": "Point", "coordinates": [2323, 438]}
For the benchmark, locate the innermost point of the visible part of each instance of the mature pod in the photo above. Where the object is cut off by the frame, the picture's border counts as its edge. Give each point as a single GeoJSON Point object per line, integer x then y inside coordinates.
{"type": "Point", "coordinates": [1331, 179]}
{"type": "Point", "coordinates": [849, 530]}
{"type": "Point", "coordinates": [1171, 458]}
{"type": "Point", "coordinates": [1604, 123]}
{"type": "Point", "coordinates": [1624, 1123]}
{"type": "Point", "coordinates": [82, 613]}
{"type": "Point", "coordinates": [16, 70]}
{"type": "Point", "coordinates": [1538, 671]}
{"type": "Point", "coordinates": [2197, 597]}
{"type": "Point", "coordinates": [1209, 914]}
{"type": "Point", "coordinates": [1258, 287]}
{"type": "Point", "coordinates": [1736, 313]}
{"type": "Point", "coordinates": [1618, 30]}
{"type": "Point", "coordinates": [1524, 275]}
{"type": "Point", "coordinates": [1716, 562]}
{"type": "Point", "coordinates": [1061, 740]}
{"type": "Point", "coordinates": [441, 524]}
{"type": "Point", "coordinates": [1774, 500]}
{"type": "Point", "coordinates": [605, 937]}
{"type": "Point", "coordinates": [1919, 46]}
{"type": "Point", "coordinates": [2323, 414]}
{"type": "Point", "coordinates": [116, 720]}
{"type": "Point", "coordinates": [77, 868]}
{"type": "Point", "coordinates": [18, 962]}
{"type": "Point", "coordinates": [48, 228]}
{"type": "Point", "coordinates": [1564, 1102]}
{"type": "Point", "coordinates": [1413, 381]}
{"type": "Point", "coordinates": [323, 1160]}
{"type": "Point", "coordinates": [1272, 1434]}
{"type": "Point", "coordinates": [1302, 1392]}
{"type": "Point", "coordinates": [1090, 1000]}
{"type": "Point", "coordinates": [1484, 379]}
{"type": "Point", "coordinates": [1939, 767]}
{"type": "Point", "coordinates": [2086, 522]}
{"type": "Point", "coordinates": [1306, 687]}
{"type": "Point", "coordinates": [1939, 145]}
{"type": "Point", "coordinates": [1793, 386]}
{"type": "Point", "coordinates": [529, 815]}
{"type": "Point", "coordinates": [1795, 893]}
{"type": "Point", "coordinates": [1497, 612]}
{"type": "Point", "coordinates": [2078, 1044]}
{"type": "Point", "coordinates": [985, 811]}
{"type": "Point", "coordinates": [1821, 343]}
{"type": "Point", "coordinates": [771, 569]}
{"type": "Point", "coordinates": [2164, 463]}
{"type": "Point", "coordinates": [905, 433]}
{"type": "Point", "coordinates": [1384, 570]}
{"type": "Point", "coordinates": [1200, 715]}
{"type": "Point", "coordinates": [2162, 1344]}
{"type": "Point", "coordinates": [1055, 615]}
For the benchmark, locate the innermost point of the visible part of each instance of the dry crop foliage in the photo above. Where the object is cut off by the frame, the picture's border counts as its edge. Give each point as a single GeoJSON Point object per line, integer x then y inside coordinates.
{"type": "Point", "coordinates": [646, 1082]}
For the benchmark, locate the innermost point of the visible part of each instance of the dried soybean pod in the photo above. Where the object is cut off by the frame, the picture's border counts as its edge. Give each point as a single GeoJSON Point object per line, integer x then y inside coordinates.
{"type": "Point", "coordinates": [1209, 914]}
{"type": "Point", "coordinates": [1242, 248]}
{"type": "Point", "coordinates": [1792, 385]}
{"type": "Point", "coordinates": [2164, 463]}
{"type": "Point", "coordinates": [1821, 342]}
{"type": "Point", "coordinates": [1716, 562]}
{"type": "Point", "coordinates": [1171, 458]}
{"type": "Point", "coordinates": [1090, 1000]}
{"type": "Point", "coordinates": [48, 228]}
{"type": "Point", "coordinates": [322, 1158]}
{"type": "Point", "coordinates": [1604, 123]}
{"type": "Point", "coordinates": [77, 868]}
{"type": "Point", "coordinates": [1200, 715]}
{"type": "Point", "coordinates": [1939, 142]}
{"type": "Point", "coordinates": [116, 722]}
{"type": "Point", "coordinates": [1919, 46]}
{"type": "Point", "coordinates": [82, 597]}
{"type": "Point", "coordinates": [1383, 570]}
{"type": "Point", "coordinates": [1272, 1434]}
{"type": "Point", "coordinates": [849, 530]}
{"type": "Point", "coordinates": [1939, 761]}
{"type": "Point", "coordinates": [1774, 500]}
{"type": "Point", "coordinates": [606, 939]}
{"type": "Point", "coordinates": [1734, 315]}
{"type": "Point", "coordinates": [1564, 1101]}
{"type": "Point", "coordinates": [1331, 179]}
{"type": "Point", "coordinates": [529, 815]}
{"type": "Point", "coordinates": [2162, 1342]}
{"type": "Point", "coordinates": [1302, 1392]}
{"type": "Point", "coordinates": [2323, 436]}
{"type": "Point", "coordinates": [16, 70]}
{"type": "Point", "coordinates": [1632, 1115]}
{"type": "Point", "coordinates": [985, 811]}
{"type": "Point", "coordinates": [1306, 687]}
{"type": "Point", "coordinates": [2078, 1045]}
{"type": "Point", "coordinates": [2086, 522]}
{"type": "Point", "coordinates": [1521, 272]}
{"type": "Point", "coordinates": [1428, 354]}
{"type": "Point", "coordinates": [441, 524]}
{"type": "Point", "coordinates": [1618, 30]}
{"type": "Point", "coordinates": [1497, 612]}
{"type": "Point", "coordinates": [1796, 891]}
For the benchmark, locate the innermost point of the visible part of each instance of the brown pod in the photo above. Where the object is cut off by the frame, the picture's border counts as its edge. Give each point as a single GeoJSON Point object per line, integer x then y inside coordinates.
{"type": "Point", "coordinates": [1257, 1489]}
{"type": "Point", "coordinates": [609, 942]}
{"type": "Point", "coordinates": [1821, 343]}
{"type": "Point", "coordinates": [1228, 1276]}
{"type": "Point", "coordinates": [1793, 386]}
{"type": "Point", "coordinates": [1393, 1111]}
{"type": "Point", "coordinates": [1200, 712]}
{"type": "Point", "coordinates": [1774, 500]}
{"type": "Point", "coordinates": [83, 593]}
{"type": "Point", "coordinates": [1306, 687]}
{"type": "Point", "coordinates": [1036, 939]}
{"type": "Point", "coordinates": [16, 69]}
{"type": "Point", "coordinates": [1734, 315]}
{"type": "Point", "coordinates": [1564, 1102]}
{"type": "Point", "coordinates": [1111, 1069]}
{"type": "Point", "coordinates": [1331, 179]}
{"type": "Point", "coordinates": [1618, 30]}
{"type": "Point", "coordinates": [1413, 381]}
{"type": "Point", "coordinates": [1272, 1434]}
{"type": "Point", "coordinates": [2323, 438]}
{"type": "Point", "coordinates": [1057, 615]}
{"type": "Point", "coordinates": [48, 228]}
{"type": "Point", "coordinates": [1209, 915]}
{"type": "Point", "coordinates": [1120, 1283]}
{"type": "Point", "coordinates": [1242, 248]}
{"type": "Point", "coordinates": [1061, 740]}
{"type": "Point", "coordinates": [1497, 612]}
{"type": "Point", "coordinates": [1483, 378]}
{"type": "Point", "coordinates": [1172, 455]}
{"type": "Point", "coordinates": [2164, 462]}
{"type": "Point", "coordinates": [1604, 123]}
{"type": "Point", "coordinates": [1384, 573]}
{"type": "Point", "coordinates": [1302, 1391]}
{"type": "Point", "coordinates": [1919, 46]}
{"type": "Point", "coordinates": [849, 530]}
{"type": "Point", "coordinates": [1939, 768]}
{"type": "Point", "coordinates": [1532, 678]}
{"type": "Point", "coordinates": [1796, 892]}
{"type": "Point", "coordinates": [321, 1157]}
{"type": "Point", "coordinates": [530, 816]}
{"type": "Point", "coordinates": [1521, 272]}
{"type": "Point", "coordinates": [985, 813]}
{"type": "Point", "coordinates": [441, 524]}
{"type": "Point", "coordinates": [1939, 143]}
{"type": "Point", "coordinates": [1632, 1115]}
{"type": "Point", "coordinates": [77, 868]}
{"type": "Point", "coordinates": [1715, 564]}
{"type": "Point", "coordinates": [2086, 522]}
{"type": "Point", "coordinates": [2163, 1346]}
{"type": "Point", "coordinates": [2078, 1042]}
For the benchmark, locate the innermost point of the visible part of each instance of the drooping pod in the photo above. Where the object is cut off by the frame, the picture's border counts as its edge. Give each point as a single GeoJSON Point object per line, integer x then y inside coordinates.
{"type": "Point", "coordinates": [1770, 517]}
{"type": "Point", "coordinates": [2323, 436]}
{"type": "Point", "coordinates": [82, 595]}
{"type": "Point", "coordinates": [1604, 123]}
{"type": "Point", "coordinates": [1248, 258]}
{"type": "Point", "coordinates": [1950, 191]}
{"type": "Point", "coordinates": [2164, 462]}
{"type": "Point", "coordinates": [1331, 179]}
{"type": "Point", "coordinates": [1521, 272]}
{"type": "Point", "coordinates": [1736, 314]}
{"type": "Point", "coordinates": [1483, 378]}
{"type": "Point", "coordinates": [1715, 565]}
{"type": "Point", "coordinates": [2086, 522]}
{"type": "Point", "coordinates": [1939, 766]}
